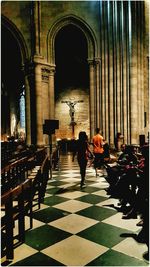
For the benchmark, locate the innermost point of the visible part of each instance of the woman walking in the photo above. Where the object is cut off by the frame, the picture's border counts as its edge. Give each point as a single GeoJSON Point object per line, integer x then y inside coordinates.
{"type": "Point", "coordinates": [82, 150]}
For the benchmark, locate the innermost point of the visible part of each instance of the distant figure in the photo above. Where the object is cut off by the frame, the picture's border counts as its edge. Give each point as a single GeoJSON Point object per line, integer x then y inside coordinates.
{"type": "Point", "coordinates": [118, 141]}
{"type": "Point", "coordinates": [127, 156]}
{"type": "Point", "coordinates": [82, 150]}
{"type": "Point", "coordinates": [106, 153]}
{"type": "Point", "coordinates": [98, 150]}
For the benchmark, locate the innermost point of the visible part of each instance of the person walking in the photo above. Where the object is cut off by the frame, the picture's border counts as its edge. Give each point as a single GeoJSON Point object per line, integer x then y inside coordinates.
{"type": "Point", "coordinates": [82, 150]}
{"type": "Point", "coordinates": [98, 150]}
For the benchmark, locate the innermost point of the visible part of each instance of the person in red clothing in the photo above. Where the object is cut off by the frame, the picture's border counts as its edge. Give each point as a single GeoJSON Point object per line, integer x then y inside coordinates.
{"type": "Point", "coordinates": [98, 149]}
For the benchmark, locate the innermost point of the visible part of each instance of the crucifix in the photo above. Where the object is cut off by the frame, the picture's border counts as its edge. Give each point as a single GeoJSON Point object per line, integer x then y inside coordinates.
{"type": "Point", "coordinates": [71, 105]}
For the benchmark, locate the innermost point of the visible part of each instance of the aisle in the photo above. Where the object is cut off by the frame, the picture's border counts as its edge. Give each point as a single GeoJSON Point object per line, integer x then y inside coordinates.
{"type": "Point", "coordinates": [79, 227]}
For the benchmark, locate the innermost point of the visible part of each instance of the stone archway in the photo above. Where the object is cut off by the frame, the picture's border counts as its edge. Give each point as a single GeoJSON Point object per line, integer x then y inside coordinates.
{"type": "Point", "coordinates": [16, 73]}
{"type": "Point", "coordinates": [93, 61]}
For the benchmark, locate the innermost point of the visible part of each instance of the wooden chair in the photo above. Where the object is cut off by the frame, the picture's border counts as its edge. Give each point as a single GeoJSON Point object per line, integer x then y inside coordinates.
{"type": "Point", "coordinates": [44, 172]}
{"type": "Point", "coordinates": [35, 178]}
{"type": "Point", "coordinates": [18, 211]}
{"type": "Point", "coordinates": [12, 210]}
{"type": "Point", "coordinates": [15, 205]}
{"type": "Point", "coordinates": [7, 226]}
{"type": "Point", "coordinates": [27, 198]}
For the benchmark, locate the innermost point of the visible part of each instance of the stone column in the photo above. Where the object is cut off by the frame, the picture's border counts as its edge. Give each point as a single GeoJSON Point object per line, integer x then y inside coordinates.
{"type": "Point", "coordinates": [140, 68]}
{"type": "Point", "coordinates": [45, 92]}
{"type": "Point", "coordinates": [97, 71]}
{"type": "Point", "coordinates": [106, 71]}
{"type": "Point", "coordinates": [37, 26]}
{"type": "Point", "coordinates": [39, 108]}
{"type": "Point", "coordinates": [45, 96]}
{"type": "Point", "coordinates": [51, 93]}
{"type": "Point", "coordinates": [92, 98]}
{"type": "Point", "coordinates": [146, 63]}
{"type": "Point", "coordinates": [133, 79]}
{"type": "Point", "coordinates": [118, 74]}
{"type": "Point", "coordinates": [125, 102]}
{"type": "Point", "coordinates": [110, 76]}
{"type": "Point", "coordinates": [141, 89]}
{"type": "Point", "coordinates": [103, 115]}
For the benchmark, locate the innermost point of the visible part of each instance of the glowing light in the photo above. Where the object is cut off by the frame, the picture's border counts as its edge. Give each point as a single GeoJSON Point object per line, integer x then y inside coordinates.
{"type": "Point", "coordinates": [13, 124]}
{"type": "Point", "coordinates": [22, 110]}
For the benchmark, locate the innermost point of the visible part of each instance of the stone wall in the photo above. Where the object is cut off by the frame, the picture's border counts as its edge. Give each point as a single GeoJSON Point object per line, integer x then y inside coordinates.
{"type": "Point", "coordinates": [81, 113]}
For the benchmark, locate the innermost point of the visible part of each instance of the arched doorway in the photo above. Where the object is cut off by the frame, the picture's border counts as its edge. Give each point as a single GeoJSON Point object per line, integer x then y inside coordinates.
{"type": "Point", "coordinates": [71, 82]}
{"type": "Point", "coordinates": [13, 56]}
{"type": "Point", "coordinates": [13, 82]}
{"type": "Point", "coordinates": [92, 59]}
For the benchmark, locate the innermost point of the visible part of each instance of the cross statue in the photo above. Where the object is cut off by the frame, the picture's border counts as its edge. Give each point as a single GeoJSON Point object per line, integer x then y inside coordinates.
{"type": "Point", "coordinates": [71, 105]}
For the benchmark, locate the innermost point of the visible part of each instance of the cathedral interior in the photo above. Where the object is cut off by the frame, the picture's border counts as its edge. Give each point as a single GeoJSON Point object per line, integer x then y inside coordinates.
{"type": "Point", "coordinates": [68, 67]}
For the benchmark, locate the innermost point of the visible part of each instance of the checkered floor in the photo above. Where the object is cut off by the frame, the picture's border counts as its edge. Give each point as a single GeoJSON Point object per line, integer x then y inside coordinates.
{"type": "Point", "coordinates": [77, 227]}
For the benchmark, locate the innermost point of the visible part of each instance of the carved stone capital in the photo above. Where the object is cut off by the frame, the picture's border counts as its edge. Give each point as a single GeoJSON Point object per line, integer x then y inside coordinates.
{"type": "Point", "coordinates": [91, 62]}
{"type": "Point", "coordinates": [45, 74]}
{"type": "Point", "coordinates": [97, 60]}
{"type": "Point", "coordinates": [52, 70]}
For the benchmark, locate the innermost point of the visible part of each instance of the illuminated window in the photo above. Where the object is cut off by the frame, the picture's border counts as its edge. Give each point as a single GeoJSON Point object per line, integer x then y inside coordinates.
{"type": "Point", "coordinates": [22, 110]}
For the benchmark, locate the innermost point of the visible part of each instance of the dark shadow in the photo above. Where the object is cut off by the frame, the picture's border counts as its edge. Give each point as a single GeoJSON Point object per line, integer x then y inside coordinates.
{"type": "Point", "coordinates": [67, 189]}
{"type": "Point", "coordinates": [119, 209]}
{"type": "Point", "coordinates": [129, 235]}
{"type": "Point", "coordinates": [136, 237]}
{"type": "Point", "coordinates": [6, 263]}
{"type": "Point", "coordinates": [146, 256]}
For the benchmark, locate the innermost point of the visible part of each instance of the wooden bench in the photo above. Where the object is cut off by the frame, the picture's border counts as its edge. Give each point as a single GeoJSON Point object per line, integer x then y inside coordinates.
{"type": "Point", "coordinates": [15, 205]}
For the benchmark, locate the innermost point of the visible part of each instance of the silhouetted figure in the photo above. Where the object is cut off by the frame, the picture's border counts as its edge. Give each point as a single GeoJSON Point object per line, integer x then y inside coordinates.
{"type": "Point", "coordinates": [82, 149]}
{"type": "Point", "coordinates": [118, 141]}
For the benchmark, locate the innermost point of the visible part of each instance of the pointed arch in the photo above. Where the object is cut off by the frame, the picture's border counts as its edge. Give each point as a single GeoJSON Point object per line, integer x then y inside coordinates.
{"type": "Point", "coordinates": [82, 25]}
{"type": "Point", "coordinates": [18, 37]}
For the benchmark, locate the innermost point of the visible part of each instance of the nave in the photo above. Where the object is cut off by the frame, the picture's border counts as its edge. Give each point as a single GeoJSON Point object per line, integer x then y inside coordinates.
{"type": "Point", "coordinates": [77, 227]}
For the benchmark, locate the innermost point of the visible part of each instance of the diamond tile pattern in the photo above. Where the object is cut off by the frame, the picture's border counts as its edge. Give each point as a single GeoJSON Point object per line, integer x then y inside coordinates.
{"type": "Point", "coordinates": [79, 227]}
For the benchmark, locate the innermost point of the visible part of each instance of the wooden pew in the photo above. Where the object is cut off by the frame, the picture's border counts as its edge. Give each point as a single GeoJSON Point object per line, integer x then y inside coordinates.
{"type": "Point", "coordinates": [15, 205]}
{"type": "Point", "coordinates": [7, 226]}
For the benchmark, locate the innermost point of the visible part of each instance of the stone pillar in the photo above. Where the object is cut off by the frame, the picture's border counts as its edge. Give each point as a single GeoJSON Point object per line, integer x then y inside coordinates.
{"type": "Point", "coordinates": [45, 97]}
{"type": "Point", "coordinates": [39, 107]}
{"type": "Point", "coordinates": [125, 101]}
{"type": "Point", "coordinates": [51, 93]}
{"type": "Point", "coordinates": [133, 79]}
{"type": "Point", "coordinates": [140, 57]}
{"type": "Point", "coordinates": [97, 72]}
{"type": "Point", "coordinates": [118, 74]}
{"type": "Point", "coordinates": [103, 115]}
{"type": "Point", "coordinates": [45, 92]}
{"type": "Point", "coordinates": [146, 63]}
{"type": "Point", "coordinates": [106, 71]}
{"type": "Point", "coordinates": [111, 76]}
{"type": "Point", "coordinates": [37, 26]}
{"type": "Point", "coordinates": [92, 98]}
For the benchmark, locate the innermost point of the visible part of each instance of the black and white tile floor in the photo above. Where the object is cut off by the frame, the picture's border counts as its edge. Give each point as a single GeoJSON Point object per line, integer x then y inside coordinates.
{"type": "Point", "coordinates": [77, 227]}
